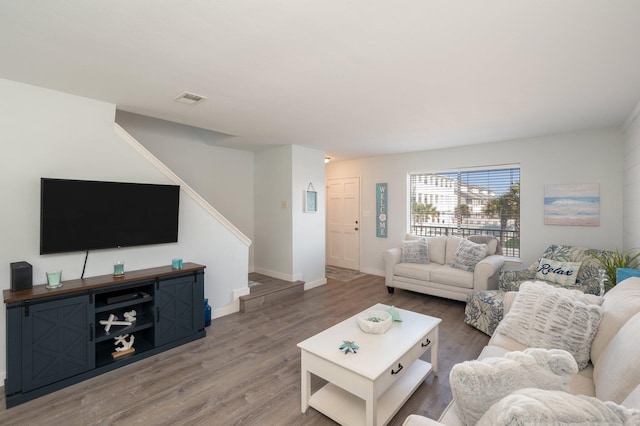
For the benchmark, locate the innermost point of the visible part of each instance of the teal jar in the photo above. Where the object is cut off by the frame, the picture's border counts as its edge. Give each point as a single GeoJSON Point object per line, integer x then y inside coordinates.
{"type": "Point", "coordinates": [207, 313]}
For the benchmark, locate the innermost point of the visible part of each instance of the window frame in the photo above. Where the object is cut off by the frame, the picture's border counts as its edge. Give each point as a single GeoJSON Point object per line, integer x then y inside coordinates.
{"type": "Point", "coordinates": [476, 197]}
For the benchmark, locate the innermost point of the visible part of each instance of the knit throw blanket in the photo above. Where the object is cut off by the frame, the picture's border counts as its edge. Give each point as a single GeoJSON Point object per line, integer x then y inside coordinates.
{"type": "Point", "coordinates": [543, 316]}
{"type": "Point", "coordinates": [545, 407]}
{"type": "Point", "coordinates": [477, 385]}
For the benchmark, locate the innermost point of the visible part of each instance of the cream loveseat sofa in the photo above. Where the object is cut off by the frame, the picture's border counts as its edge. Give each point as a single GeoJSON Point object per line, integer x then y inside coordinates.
{"type": "Point", "coordinates": [441, 266]}
{"type": "Point", "coordinates": [609, 385]}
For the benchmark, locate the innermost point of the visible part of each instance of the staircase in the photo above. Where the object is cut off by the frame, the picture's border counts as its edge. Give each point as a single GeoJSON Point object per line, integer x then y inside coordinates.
{"type": "Point", "coordinates": [268, 291]}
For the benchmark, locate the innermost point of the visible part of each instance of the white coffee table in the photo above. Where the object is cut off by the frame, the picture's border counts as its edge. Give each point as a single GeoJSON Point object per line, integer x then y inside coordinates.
{"type": "Point", "coordinates": [370, 386]}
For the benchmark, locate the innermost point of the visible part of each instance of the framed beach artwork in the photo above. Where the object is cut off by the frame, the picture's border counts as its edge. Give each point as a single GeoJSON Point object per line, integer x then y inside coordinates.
{"type": "Point", "coordinates": [575, 204]}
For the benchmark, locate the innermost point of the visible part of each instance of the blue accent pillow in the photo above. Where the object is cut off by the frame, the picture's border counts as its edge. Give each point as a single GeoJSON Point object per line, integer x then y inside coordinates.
{"type": "Point", "coordinates": [624, 273]}
{"type": "Point", "coordinates": [415, 251]}
{"type": "Point", "coordinates": [557, 272]}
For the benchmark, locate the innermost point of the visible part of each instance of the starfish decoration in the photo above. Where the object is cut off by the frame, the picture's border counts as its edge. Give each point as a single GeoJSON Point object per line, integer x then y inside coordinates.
{"type": "Point", "coordinates": [348, 346]}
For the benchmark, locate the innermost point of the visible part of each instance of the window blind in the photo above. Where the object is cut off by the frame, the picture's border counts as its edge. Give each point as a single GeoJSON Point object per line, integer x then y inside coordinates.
{"type": "Point", "coordinates": [483, 201]}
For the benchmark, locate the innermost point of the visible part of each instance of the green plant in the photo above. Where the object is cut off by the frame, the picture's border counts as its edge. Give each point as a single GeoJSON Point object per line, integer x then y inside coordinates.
{"type": "Point", "coordinates": [512, 243]}
{"type": "Point", "coordinates": [612, 260]}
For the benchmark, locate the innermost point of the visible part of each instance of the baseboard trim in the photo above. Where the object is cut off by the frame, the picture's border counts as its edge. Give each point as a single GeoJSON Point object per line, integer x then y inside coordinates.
{"type": "Point", "coordinates": [371, 271]}
{"type": "Point", "coordinates": [314, 284]}
{"type": "Point", "coordinates": [275, 274]}
{"type": "Point", "coordinates": [241, 292]}
{"type": "Point", "coordinates": [226, 310]}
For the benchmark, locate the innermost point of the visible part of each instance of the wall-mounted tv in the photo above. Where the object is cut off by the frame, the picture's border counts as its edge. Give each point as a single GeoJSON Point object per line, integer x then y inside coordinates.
{"type": "Point", "coordinates": [82, 215]}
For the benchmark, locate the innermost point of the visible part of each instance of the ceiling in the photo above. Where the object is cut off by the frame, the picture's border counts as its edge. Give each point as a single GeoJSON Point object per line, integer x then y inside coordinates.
{"type": "Point", "coordinates": [353, 78]}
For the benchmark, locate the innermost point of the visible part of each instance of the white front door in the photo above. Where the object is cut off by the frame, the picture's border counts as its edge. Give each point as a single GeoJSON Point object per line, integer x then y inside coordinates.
{"type": "Point", "coordinates": [343, 222]}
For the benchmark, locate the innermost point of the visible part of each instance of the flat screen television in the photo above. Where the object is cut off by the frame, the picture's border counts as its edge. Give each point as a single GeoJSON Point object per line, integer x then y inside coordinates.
{"type": "Point", "coordinates": [82, 215]}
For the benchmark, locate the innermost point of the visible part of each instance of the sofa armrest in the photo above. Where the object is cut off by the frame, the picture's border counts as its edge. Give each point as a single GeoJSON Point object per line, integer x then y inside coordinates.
{"type": "Point", "coordinates": [508, 301]}
{"type": "Point", "coordinates": [391, 258]}
{"type": "Point", "coordinates": [485, 274]}
{"type": "Point", "coordinates": [511, 280]}
{"type": "Point", "coordinates": [416, 420]}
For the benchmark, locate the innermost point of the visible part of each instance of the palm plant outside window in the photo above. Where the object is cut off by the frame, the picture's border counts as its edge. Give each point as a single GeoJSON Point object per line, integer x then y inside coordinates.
{"type": "Point", "coordinates": [480, 201]}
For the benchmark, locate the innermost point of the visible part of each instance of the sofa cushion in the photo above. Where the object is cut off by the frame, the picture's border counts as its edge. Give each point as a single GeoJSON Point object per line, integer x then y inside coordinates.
{"type": "Point", "coordinates": [418, 271]}
{"type": "Point", "coordinates": [468, 254]}
{"type": "Point", "coordinates": [476, 385]}
{"type": "Point", "coordinates": [633, 399]}
{"type": "Point", "coordinates": [616, 373]}
{"type": "Point", "coordinates": [416, 420]}
{"type": "Point", "coordinates": [582, 384]}
{"type": "Point", "coordinates": [554, 271]}
{"type": "Point", "coordinates": [620, 303]}
{"type": "Point", "coordinates": [490, 351]}
{"type": "Point", "coordinates": [492, 243]}
{"type": "Point", "coordinates": [452, 246]}
{"type": "Point", "coordinates": [415, 251]}
{"type": "Point", "coordinates": [552, 407]}
{"type": "Point", "coordinates": [548, 317]}
{"type": "Point", "coordinates": [500, 340]}
{"type": "Point", "coordinates": [437, 249]}
{"type": "Point", "coordinates": [445, 274]}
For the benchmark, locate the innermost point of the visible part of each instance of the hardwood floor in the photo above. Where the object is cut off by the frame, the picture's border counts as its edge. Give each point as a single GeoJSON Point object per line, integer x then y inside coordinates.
{"type": "Point", "coordinates": [247, 370]}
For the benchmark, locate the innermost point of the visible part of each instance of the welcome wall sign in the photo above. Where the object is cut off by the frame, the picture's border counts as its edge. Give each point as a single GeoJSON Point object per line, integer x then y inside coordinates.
{"type": "Point", "coordinates": [381, 210]}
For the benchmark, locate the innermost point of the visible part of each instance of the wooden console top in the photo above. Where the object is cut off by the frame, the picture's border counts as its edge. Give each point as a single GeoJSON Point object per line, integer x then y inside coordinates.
{"type": "Point", "coordinates": [85, 284]}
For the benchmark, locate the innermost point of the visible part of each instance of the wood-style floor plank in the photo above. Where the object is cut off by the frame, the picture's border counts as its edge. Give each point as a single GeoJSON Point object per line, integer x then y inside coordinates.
{"type": "Point", "coordinates": [247, 370]}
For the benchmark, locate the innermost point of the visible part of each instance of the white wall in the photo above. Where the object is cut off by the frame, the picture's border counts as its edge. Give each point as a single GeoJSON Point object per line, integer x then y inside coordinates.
{"type": "Point", "coordinates": [631, 209]}
{"type": "Point", "coordinates": [272, 213]}
{"type": "Point", "coordinates": [289, 244]}
{"type": "Point", "coordinates": [222, 176]}
{"type": "Point", "coordinates": [46, 133]}
{"type": "Point", "coordinates": [308, 228]}
{"type": "Point", "coordinates": [585, 157]}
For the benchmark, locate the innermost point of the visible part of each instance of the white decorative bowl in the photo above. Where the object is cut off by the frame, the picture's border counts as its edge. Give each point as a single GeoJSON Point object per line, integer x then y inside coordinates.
{"type": "Point", "coordinates": [374, 321]}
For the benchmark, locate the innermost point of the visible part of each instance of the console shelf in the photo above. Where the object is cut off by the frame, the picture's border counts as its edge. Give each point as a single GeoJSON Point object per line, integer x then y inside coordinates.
{"type": "Point", "coordinates": [142, 323]}
{"type": "Point", "coordinates": [76, 346]}
{"type": "Point", "coordinates": [104, 357]}
{"type": "Point", "coordinates": [142, 297]}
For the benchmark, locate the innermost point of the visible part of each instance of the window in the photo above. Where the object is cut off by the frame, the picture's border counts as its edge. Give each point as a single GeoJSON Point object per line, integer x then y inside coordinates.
{"type": "Point", "coordinates": [479, 201]}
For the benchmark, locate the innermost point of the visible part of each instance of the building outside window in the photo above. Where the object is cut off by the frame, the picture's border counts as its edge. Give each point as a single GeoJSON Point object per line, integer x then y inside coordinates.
{"type": "Point", "coordinates": [483, 201]}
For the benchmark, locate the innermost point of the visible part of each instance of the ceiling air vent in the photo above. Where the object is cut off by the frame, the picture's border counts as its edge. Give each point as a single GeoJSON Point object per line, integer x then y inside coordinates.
{"type": "Point", "coordinates": [189, 98]}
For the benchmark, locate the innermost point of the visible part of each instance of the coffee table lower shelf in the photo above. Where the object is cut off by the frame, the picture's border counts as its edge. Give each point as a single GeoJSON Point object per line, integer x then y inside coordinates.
{"type": "Point", "coordinates": [348, 409]}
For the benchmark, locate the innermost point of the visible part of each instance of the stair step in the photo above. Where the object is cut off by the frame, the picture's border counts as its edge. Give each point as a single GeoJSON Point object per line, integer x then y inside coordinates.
{"type": "Point", "coordinates": [272, 295]}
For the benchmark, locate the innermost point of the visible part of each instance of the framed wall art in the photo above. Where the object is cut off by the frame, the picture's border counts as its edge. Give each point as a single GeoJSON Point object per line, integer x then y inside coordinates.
{"type": "Point", "coordinates": [381, 210]}
{"type": "Point", "coordinates": [573, 204]}
{"type": "Point", "coordinates": [310, 200]}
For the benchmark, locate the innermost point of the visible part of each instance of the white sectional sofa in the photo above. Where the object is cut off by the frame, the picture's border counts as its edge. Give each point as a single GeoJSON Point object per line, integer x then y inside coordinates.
{"type": "Point", "coordinates": [610, 381]}
{"type": "Point", "coordinates": [438, 277]}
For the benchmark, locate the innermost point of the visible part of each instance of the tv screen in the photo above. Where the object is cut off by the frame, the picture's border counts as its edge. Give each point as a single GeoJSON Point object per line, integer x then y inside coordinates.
{"type": "Point", "coordinates": [81, 215]}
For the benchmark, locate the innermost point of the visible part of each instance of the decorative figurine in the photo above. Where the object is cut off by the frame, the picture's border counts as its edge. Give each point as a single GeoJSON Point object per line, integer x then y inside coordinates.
{"type": "Point", "coordinates": [130, 318]}
{"type": "Point", "coordinates": [127, 345]}
{"type": "Point", "coordinates": [348, 346]}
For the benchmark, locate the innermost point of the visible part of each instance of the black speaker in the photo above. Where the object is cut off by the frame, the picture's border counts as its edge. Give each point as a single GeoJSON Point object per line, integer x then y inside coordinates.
{"type": "Point", "coordinates": [21, 276]}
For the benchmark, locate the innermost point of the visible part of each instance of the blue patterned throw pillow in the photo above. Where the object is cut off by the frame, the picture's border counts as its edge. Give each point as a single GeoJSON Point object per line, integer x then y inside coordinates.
{"type": "Point", "coordinates": [563, 273]}
{"type": "Point", "coordinates": [468, 254]}
{"type": "Point", "coordinates": [415, 251]}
